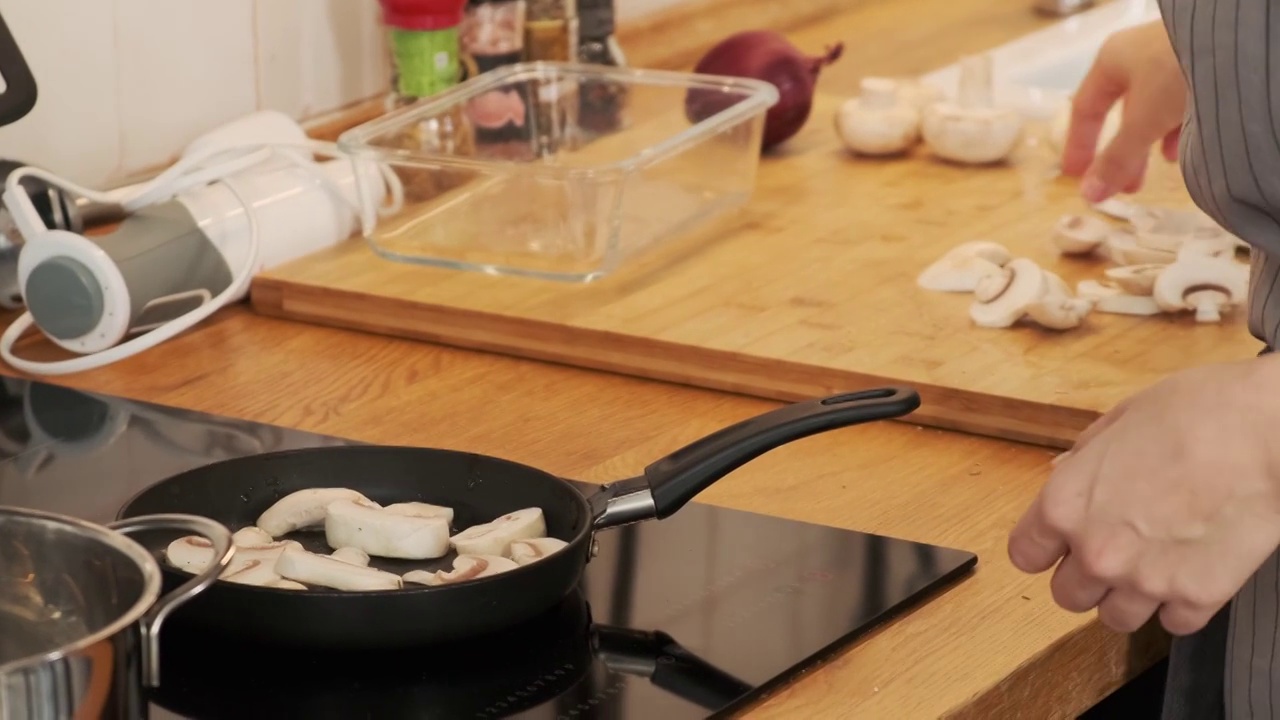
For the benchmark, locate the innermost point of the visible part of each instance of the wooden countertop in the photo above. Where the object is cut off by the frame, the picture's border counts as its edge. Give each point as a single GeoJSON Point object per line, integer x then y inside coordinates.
{"type": "Point", "coordinates": [992, 646]}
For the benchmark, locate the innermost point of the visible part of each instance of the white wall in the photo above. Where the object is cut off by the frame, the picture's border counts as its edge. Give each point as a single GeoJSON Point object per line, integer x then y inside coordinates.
{"type": "Point", "coordinates": [125, 84]}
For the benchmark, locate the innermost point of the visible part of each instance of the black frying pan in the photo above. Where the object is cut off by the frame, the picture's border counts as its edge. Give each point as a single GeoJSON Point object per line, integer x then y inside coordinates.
{"type": "Point", "coordinates": [494, 676]}
{"type": "Point", "coordinates": [479, 488]}
{"type": "Point", "coordinates": [497, 675]}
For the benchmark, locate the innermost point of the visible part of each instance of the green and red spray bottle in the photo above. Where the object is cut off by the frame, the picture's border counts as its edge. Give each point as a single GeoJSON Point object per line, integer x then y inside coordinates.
{"type": "Point", "coordinates": [424, 44]}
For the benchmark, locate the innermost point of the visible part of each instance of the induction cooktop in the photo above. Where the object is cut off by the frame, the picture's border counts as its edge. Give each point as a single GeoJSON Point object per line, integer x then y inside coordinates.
{"type": "Point", "coordinates": [694, 616]}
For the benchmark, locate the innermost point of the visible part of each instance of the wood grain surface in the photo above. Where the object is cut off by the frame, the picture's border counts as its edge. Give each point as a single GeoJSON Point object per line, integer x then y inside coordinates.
{"type": "Point", "coordinates": [810, 290]}
{"type": "Point", "coordinates": [993, 646]}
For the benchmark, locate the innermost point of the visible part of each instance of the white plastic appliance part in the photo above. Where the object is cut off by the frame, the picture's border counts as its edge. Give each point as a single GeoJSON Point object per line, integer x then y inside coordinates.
{"type": "Point", "coordinates": [177, 259]}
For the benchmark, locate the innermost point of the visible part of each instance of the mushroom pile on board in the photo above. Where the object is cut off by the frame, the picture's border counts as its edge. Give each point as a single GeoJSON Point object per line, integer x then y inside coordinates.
{"type": "Point", "coordinates": [1165, 261]}
{"type": "Point", "coordinates": [967, 126]}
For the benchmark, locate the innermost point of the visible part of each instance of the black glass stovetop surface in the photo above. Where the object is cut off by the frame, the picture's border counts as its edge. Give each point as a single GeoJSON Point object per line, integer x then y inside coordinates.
{"type": "Point", "coordinates": [693, 616]}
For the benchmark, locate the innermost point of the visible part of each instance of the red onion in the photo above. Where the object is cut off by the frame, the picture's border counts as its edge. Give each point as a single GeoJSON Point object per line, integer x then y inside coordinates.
{"type": "Point", "coordinates": [763, 55]}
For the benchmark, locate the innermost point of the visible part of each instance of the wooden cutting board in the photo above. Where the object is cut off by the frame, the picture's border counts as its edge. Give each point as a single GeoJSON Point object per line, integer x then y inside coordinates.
{"type": "Point", "coordinates": [810, 290]}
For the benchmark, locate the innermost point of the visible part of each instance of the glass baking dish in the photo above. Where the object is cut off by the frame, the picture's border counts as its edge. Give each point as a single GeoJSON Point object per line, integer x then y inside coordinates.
{"type": "Point", "coordinates": [561, 170]}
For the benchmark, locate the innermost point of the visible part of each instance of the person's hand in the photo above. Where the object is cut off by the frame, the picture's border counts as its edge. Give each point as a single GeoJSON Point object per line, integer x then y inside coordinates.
{"type": "Point", "coordinates": [1137, 64]}
{"type": "Point", "coordinates": [1168, 503]}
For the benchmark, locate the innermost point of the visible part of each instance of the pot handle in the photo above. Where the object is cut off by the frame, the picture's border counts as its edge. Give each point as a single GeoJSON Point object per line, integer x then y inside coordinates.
{"type": "Point", "coordinates": [676, 479]}
{"type": "Point", "coordinates": [223, 550]}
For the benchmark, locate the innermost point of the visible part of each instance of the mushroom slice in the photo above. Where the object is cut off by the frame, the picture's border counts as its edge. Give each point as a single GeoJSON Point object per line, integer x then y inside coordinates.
{"type": "Point", "coordinates": [1059, 313]}
{"type": "Point", "coordinates": [1172, 221]}
{"type": "Point", "coordinates": [422, 510]}
{"type": "Point", "coordinates": [304, 509]}
{"type": "Point", "coordinates": [964, 266]}
{"type": "Point", "coordinates": [251, 537]}
{"type": "Point", "coordinates": [958, 275]}
{"type": "Point", "coordinates": [1159, 241]}
{"type": "Point", "coordinates": [260, 572]}
{"type": "Point", "coordinates": [1124, 304]}
{"type": "Point", "coordinates": [1114, 301]}
{"type": "Point", "coordinates": [271, 551]}
{"type": "Point", "coordinates": [352, 555]}
{"type": "Point", "coordinates": [1094, 290]}
{"type": "Point", "coordinates": [1207, 285]}
{"type": "Point", "coordinates": [311, 569]}
{"type": "Point", "coordinates": [1057, 286]}
{"type": "Point", "coordinates": [1114, 207]}
{"type": "Point", "coordinates": [383, 534]}
{"type": "Point", "coordinates": [1002, 300]}
{"type": "Point", "coordinates": [1079, 234]}
{"type": "Point", "coordinates": [191, 554]}
{"type": "Point", "coordinates": [465, 567]}
{"type": "Point", "coordinates": [423, 577]}
{"type": "Point", "coordinates": [1123, 248]}
{"type": "Point", "coordinates": [1218, 246]}
{"type": "Point", "coordinates": [283, 584]}
{"type": "Point", "coordinates": [532, 550]}
{"type": "Point", "coordinates": [492, 538]}
{"type": "Point", "coordinates": [987, 250]}
{"type": "Point", "coordinates": [1135, 279]}
{"type": "Point", "coordinates": [196, 554]}
{"type": "Point", "coordinates": [1169, 229]}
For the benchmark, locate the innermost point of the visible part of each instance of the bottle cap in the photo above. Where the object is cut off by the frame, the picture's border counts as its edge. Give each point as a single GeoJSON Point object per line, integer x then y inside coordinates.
{"type": "Point", "coordinates": [422, 14]}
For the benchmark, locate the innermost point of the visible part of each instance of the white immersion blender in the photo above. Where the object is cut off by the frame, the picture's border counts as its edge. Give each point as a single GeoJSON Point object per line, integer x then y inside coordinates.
{"type": "Point", "coordinates": [193, 240]}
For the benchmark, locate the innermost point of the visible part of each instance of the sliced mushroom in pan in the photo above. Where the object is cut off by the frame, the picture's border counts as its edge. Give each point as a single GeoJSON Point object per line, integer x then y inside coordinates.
{"type": "Point", "coordinates": [422, 510]}
{"type": "Point", "coordinates": [385, 534]}
{"type": "Point", "coordinates": [493, 538]}
{"type": "Point", "coordinates": [524, 552]}
{"type": "Point", "coordinates": [304, 509]}
{"type": "Point", "coordinates": [311, 569]}
{"type": "Point", "coordinates": [465, 567]}
{"type": "Point", "coordinates": [355, 556]}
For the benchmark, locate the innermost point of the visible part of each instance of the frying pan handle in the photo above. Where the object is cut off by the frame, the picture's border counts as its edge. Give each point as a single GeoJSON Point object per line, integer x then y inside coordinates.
{"type": "Point", "coordinates": [680, 476]}
{"type": "Point", "coordinates": [223, 550]}
{"type": "Point", "coordinates": [19, 95]}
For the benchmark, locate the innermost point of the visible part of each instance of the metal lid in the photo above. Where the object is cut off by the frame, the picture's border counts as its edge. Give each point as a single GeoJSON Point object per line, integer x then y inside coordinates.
{"type": "Point", "coordinates": [64, 297]}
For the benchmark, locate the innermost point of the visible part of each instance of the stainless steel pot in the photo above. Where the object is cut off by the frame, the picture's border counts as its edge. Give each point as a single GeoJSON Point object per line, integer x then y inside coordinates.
{"type": "Point", "coordinates": [81, 612]}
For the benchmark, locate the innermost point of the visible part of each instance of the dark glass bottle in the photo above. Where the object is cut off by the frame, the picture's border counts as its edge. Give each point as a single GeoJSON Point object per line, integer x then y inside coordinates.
{"type": "Point", "coordinates": [551, 30]}
{"type": "Point", "coordinates": [600, 102]}
{"type": "Point", "coordinates": [551, 34]}
{"type": "Point", "coordinates": [493, 36]}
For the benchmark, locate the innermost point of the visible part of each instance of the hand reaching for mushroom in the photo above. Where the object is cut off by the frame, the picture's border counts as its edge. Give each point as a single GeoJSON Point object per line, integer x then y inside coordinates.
{"type": "Point", "coordinates": [1167, 504]}
{"type": "Point", "coordinates": [1138, 65]}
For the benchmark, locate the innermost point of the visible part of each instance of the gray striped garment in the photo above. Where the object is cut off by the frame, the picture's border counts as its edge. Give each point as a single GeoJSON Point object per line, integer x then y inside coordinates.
{"type": "Point", "coordinates": [1230, 158]}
